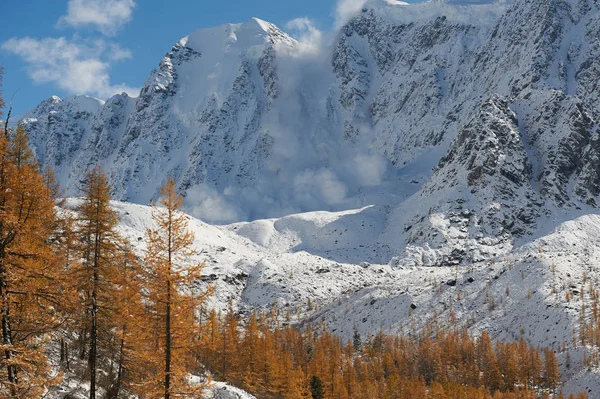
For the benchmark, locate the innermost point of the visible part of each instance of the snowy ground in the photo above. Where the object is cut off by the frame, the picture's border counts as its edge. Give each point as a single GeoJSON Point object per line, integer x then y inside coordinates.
{"type": "Point", "coordinates": [334, 259]}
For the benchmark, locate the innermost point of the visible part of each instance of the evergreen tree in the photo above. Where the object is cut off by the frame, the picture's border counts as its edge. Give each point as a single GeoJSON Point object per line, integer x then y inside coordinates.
{"type": "Point", "coordinates": [387, 367]}
{"type": "Point", "coordinates": [356, 339]}
{"type": "Point", "coordinates": [316, 388]}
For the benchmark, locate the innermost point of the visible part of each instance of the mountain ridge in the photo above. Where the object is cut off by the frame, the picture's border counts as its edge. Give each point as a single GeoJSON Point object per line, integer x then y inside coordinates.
{"type": "Point", "coordinates": [389, 114]}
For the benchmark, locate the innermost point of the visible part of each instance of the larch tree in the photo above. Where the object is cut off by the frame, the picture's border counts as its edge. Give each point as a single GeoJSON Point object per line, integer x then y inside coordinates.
{"type": "Point", "coordinates": [230, 345]}
{"type": "Point", "coordinates": [551, 371]}
{"type": "Point", "coordinates": [29, 286]}
{"type": "Point", "coordinates": [297, 386]}
{"type": "Point", "coordinates": [488, 362]}
{"type": "Point", "coordinates": [209, 345]}
{"type": "Point", "coordinates": [250, 353]}
{"type": "Point", "coordinates": [73, 310]}
{"type": "Point", "coordinates": [99, 245]}
{"type": "Point", "coordinates": [129, 330]}
{"type": "Point", "coordinates": [173, 298]}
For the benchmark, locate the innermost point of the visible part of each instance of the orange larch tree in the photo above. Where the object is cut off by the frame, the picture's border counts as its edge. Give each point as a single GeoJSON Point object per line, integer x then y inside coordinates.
{"type": "Point", "coordinates": [128, 326]}
{"type": "Point", "coordinates": [29, 272]}
{"type": "Point", "coordinates": [173, 297]}
{"type": "Point", "coordinates": [99, 243]}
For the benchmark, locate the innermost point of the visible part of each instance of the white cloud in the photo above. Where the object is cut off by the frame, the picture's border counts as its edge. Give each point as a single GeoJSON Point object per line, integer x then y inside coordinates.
{"type": "Point", "coordinates": [323, 185]}
{"type": "Point", "coordinates": [107, 16]}
{"type": "Point", "coordinates": [118, 53]}
{"type": "Point", "coordinates": [207, 204]}
{"type": "Point", "coordinates": [77, 68]}
{"type": "Point", "coordinates": [309, 37]}
{"type": "Point", "coordinates": [346, 9]}
{"type": "Point", "coordinates": [369, 169]}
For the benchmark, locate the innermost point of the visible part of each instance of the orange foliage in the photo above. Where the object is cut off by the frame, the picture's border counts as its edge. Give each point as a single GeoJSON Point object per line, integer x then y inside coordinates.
{"type": "Point", "coordinates": [279, 362]}
{"type": "Point", "coordinates": [172, 299]}
{"type": "Point", "coordinates": [30, 275]}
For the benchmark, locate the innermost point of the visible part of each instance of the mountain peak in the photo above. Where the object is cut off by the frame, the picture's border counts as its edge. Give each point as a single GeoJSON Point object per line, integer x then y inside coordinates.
{"type": "Point", "coordinates": [84, 102]}
{"type": "Point", "coordinates": [254, 32]}
{"type": "Point", "coordinates": [78, 103]}
{"type": "Point", "coordinates": [263, 25]}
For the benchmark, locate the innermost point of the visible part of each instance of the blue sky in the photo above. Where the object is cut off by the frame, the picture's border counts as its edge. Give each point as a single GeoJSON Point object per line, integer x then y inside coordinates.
{"type": "Point", "coordinates": [100, 47]}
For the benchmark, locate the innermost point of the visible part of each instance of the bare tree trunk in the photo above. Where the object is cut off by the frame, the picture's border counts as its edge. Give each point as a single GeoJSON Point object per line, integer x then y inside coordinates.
{"type": "Point", "coordinates": [94, 328]}
{"type": "Point", "coordinates": [82, 341]}
{"type": "Point", "coordinates": [62, 351]}
{"type": "Point", "coordinates": [121, 362]}
{"type": "Point", "coordinates": [67, 356]}
{"type": "Point", "coordinates": [7, 119]}
{"type": "Point", "coordinates": [116, 387]}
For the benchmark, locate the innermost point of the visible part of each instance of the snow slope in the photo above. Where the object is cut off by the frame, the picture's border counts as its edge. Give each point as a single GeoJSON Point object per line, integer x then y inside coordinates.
{"type": "Point", "coordinates": [292, 260]}
{"type": "Point", "coordinates": [299, 257]}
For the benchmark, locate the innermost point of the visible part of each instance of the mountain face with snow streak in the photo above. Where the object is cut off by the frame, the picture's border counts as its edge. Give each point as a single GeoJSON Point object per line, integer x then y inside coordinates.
{"type": "Point", "coordinates": [470, 125]}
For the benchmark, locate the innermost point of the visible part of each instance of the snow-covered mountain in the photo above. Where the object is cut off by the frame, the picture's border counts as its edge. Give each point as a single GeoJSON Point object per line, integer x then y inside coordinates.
{"type": "Point", "coordinates": [461, 129]}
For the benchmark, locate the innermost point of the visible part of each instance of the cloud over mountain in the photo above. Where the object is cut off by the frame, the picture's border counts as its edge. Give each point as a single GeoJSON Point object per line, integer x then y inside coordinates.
{"type": "Point", "coordinates": [75, 66]}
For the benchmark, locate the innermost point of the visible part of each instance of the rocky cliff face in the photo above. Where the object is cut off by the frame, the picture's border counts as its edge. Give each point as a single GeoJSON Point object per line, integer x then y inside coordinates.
{"type": "Point", "coordinates": [472, 122]}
